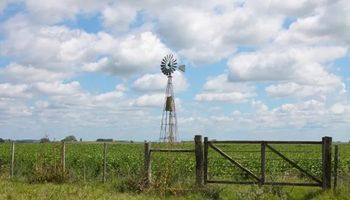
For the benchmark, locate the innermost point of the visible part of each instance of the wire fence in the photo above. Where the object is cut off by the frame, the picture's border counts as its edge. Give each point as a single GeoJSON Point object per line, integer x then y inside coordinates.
{"type": "Point", "coordinates": [111, 161]}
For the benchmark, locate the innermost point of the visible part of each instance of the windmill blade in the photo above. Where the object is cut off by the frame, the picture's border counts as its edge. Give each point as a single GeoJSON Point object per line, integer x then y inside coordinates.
{"type": "Point", "coordinates": [182, 68]}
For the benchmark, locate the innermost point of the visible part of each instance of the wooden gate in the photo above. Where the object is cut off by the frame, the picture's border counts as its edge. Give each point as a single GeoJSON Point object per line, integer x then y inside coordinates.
{"type": "Point", "coordinates": [260, 179]}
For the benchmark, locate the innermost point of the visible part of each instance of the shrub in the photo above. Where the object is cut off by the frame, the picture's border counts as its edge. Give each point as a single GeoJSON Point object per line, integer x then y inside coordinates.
{"type": "Point", "coordinates": [70, 138]}
{"type": "Point", "coordinates": [44, 140]}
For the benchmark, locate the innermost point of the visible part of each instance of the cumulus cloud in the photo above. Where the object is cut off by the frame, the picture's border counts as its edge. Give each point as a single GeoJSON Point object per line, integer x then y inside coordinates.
{"type": "Point", "coordinates": [328, 25]}
{"type": "Point", "coordinates": [111, 96]}
{"type": "Point", "coordinates": [292, 48]}
{"type": "Point", "coordinates": [296, 90]}
{"type": "Point", "coordinates": [158, 82]}
{"type": "Point", "coordinates": [51, 11]}
{"type": "Point", "coordinates": [231, 25]}
{"type": "Point", "coordinates": [58, 88]}
{"type": "Point", "coordinates": [75, 50]}
{"type": "Point", "coordinates": [8, 90]}
{"type": "Point", "coordinates": [297, 71]}
{"type": "Point", "coordinates": [20, 73]}
{"type": "Point", "coordinates": [118, 17]}
{"type": "Point", "coordinates": [220, 89]}
{"type": "Point", "coordinates": [290, 116]}
{"type": "Point", "coordinates": [150, 100]}
{"type": "Point", "coordinates": [300, 64]}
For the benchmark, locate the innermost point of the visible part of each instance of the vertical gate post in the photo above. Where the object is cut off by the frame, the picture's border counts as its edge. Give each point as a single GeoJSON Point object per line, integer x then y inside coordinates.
{"type": "Point", "coordinates": [326, 163]}
{"type": "Point", "coordinates": [104, 161]}
{"type": "Point", "coordinates": [263, 163]}
{"type": "Point", "coordinates": [336, 160]}
{"type": "Point", "coordinates": [147, 163]}
{"type": "Point", "coordinates": [63, 157]}
{"type": "Point", "coordinates": [199, 159]}
{"type": "Point", "coordinates": [12, 159]}
{"type": "Point", "coordinates": [205, 160]}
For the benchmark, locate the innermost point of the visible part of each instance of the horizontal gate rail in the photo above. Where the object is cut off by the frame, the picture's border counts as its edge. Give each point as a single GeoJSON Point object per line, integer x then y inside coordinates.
{"type": "Point", "coordinates": [261, 141]}
{"type": "Point", "coordinates": [292, 184]}
{"type": "Point", "coordinates": [234, 162]}
{"type": "Point", "coordinates": [233, 182]}
{"type": "Point", "coordinates": [295, 165]}
{"type": "Point", "coordinates": [173, 150]}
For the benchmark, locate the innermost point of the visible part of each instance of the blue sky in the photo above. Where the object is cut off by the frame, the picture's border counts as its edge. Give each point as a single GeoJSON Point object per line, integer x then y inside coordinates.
{"type": "Point", "coordinates": [254, 70]}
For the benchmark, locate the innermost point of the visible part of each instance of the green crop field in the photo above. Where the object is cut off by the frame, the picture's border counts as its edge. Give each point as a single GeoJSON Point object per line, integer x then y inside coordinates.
{"type": "Point", "coordinates": [84, 163]}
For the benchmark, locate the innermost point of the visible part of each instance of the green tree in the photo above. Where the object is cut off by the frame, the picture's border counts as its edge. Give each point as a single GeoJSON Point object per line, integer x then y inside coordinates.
{"type": "Point", "coordinates": [69, 138]}
{"type": "Point", "coordinates": [44, 140]}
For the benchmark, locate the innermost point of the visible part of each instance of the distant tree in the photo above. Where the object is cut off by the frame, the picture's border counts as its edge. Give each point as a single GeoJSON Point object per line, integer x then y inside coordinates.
{"type": "Point", "coordinates": [2, 140]}
{"type": "Point", "coordinates": [44, 140]}
{"type": "Point", "coordinates": [104, 140]}
{"type": "Point", "coordinates": [70, 138]}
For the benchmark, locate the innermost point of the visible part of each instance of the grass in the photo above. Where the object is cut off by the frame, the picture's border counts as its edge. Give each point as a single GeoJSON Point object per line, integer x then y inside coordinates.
{"type": "Point", "coordinates": [19, 189]}
{"type": "Point", "coordinates": [38, 174]}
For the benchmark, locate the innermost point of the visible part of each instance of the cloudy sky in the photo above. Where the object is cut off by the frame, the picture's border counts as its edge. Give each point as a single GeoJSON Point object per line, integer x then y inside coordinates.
{"type": "Point", "coordinates": [256, 69]}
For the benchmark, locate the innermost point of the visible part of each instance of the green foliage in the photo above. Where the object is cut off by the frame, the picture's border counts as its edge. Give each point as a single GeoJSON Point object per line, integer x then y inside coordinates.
{"type": "Point", "coordinates": [70, 138]}
{"type": "Point", "coordinates": [44, 140]}
{"type": "Point", "coordinates": [172, 173]}
{"type": "Point", "coordinates": [104, 140]}
{"type": "Point", "coordinates": [48, 168]}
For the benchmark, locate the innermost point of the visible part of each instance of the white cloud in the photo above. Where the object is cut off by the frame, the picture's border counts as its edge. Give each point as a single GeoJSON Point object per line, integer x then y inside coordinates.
{"type": "Point", "coordinates": [39, 90]}
{"type": "Point", "coordinates": [297, 71]}
{"type": "Point", "coordinates": [330, 24]}
{"type": "Point", "coordinates": [302, 65]}
{"type": "Point", "coordinates": [220, 89]}
{"type": "Point", "coordinates": [298, 8]}
{"type": "Point", "coordinates": [297, 90]}
{"type": "Point", "coordinates": [158, 82]}
{"type": "Point", "coordinates": [216, 31]}
{"type": "Point", "coordinates": [290, 117]}
{"type": "Point", "coordinates": [8, 90]}
{"type": "Point", "coordinates": [150, 100]}
{"type": "Point", "coordinates": [58, 88]}
{"type": "Point", "coordinates": [51, 11]}
{"type": "Point", "coordinates": [137, 53]}
{"type": "Point", "coordinates": [118, 17]}
{"type": "Point", "coordinates": [338, 108]}
{"type": "Point", "coordinates": [74, 50]}
{"type": "Point", "coordinates": [111, 96]}
{"type": "Point", "coordinates": [20, 73]}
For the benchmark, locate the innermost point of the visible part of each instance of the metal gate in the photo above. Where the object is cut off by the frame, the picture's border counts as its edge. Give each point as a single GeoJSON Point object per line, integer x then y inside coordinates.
{"type": "Point", "coordinates": [267, 146]}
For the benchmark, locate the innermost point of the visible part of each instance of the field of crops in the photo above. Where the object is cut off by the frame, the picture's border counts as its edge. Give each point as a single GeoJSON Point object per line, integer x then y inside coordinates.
{"type": "Point", "coordinates": [84, 161]}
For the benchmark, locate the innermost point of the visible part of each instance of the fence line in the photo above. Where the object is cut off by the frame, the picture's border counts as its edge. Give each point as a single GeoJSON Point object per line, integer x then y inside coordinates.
{"type": "Point", "coordinates": [201, 156]}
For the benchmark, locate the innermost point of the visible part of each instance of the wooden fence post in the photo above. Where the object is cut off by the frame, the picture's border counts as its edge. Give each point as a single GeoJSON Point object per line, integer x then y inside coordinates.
{"type": "Point", "coordinates": [326, 163]}
{"type": "Point", "coordinates": [199, 159]}
{"type": "Point", "coordinates": [336, 161]}
{"type": "Point", "coordinates": [12, 159]}
{"type": "Point", "coordinates": [263, 163]}
{"type": "Point", "coordinates": [63, 157]}
{"type": "Point", "coordinates": [147, 163]}
{"type": "Point", "coordinates": [104, 161]}
{"type": "Point", "coordinates": [205, 160]}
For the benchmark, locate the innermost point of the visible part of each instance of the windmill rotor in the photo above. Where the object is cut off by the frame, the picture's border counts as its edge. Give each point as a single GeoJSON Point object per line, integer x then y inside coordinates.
{"type": "Point", "coordinates": [168, 65]}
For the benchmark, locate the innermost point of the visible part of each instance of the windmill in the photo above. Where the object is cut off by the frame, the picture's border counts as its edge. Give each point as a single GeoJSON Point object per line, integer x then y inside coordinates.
{"type": "Point", "coordinates": [168, 128]}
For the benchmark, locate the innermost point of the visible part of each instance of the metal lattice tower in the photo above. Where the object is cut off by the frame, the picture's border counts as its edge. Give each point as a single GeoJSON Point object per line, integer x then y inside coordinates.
{"type": "Point", "coordinates": [168, 129]}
